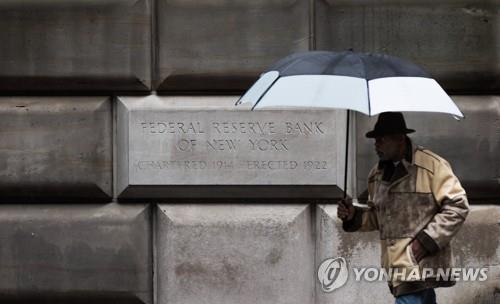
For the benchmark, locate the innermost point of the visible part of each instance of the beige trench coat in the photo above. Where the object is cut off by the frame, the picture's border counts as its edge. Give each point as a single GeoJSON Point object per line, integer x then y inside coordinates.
{"type": "Point", "coordinates": [424, 200]}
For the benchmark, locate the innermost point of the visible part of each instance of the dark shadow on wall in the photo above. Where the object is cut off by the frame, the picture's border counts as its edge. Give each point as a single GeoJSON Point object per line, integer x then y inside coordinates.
{"type": "Point", "coordinates": [70, 297]}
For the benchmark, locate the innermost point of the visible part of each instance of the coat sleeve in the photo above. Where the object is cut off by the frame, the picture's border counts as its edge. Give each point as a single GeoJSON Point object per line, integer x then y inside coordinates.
{"type": "Point", "coordinates": [453, 209]}
{"type": "Point", "coordinates": [365, 218]}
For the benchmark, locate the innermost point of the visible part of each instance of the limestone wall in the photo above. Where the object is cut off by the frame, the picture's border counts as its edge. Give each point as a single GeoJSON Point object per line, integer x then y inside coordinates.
{"type": "Point", "coordinates": [127, 176]}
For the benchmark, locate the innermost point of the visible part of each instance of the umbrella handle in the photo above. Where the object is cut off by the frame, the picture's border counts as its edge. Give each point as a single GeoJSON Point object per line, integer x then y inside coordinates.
{"type": "Point", "coordinates": [346, 153]}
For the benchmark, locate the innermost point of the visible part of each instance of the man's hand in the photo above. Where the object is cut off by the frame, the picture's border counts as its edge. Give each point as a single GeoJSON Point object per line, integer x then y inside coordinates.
{"type": "Point", "coordinates": [418, 250]}
{"type": "Point", "coordinates": [345, 210]}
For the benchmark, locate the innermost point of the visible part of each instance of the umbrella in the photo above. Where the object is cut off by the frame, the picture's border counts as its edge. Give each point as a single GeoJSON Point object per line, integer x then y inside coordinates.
{"type": "Point", "coordinates": [364, 82]}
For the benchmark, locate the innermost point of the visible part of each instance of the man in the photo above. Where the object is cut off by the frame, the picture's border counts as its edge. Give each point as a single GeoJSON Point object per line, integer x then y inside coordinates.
{"type": "Point", "coordinates": [417, 204]}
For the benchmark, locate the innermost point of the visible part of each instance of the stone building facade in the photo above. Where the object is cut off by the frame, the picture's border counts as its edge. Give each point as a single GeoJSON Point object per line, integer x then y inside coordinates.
{"type": "Point", "coordinates": [127, 175]}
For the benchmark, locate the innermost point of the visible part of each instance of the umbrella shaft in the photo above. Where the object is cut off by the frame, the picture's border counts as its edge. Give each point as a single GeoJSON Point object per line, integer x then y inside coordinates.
{"type": "Point", "coordinates": [346, 153]}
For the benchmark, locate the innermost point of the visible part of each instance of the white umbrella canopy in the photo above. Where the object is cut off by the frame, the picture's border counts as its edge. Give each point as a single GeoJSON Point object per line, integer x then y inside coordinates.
{"type": "Point", "coordinates": [367, 83]}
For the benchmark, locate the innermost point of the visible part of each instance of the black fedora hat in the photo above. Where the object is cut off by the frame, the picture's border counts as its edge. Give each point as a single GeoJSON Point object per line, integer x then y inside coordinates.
{"type": "Point", "coordinates": [389, 123]}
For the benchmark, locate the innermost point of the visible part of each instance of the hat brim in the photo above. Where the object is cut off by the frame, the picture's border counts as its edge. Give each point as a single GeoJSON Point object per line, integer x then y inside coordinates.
{"type": "Point", "coordinates": [375, 133]}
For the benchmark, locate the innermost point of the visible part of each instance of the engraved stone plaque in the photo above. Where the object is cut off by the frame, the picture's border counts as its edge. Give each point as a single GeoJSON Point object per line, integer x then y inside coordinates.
{"type": "Point", "coordinates": [205, 141]}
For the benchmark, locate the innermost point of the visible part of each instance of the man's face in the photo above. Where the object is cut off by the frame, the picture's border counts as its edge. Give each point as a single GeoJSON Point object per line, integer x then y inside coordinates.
{"type": "Point", "coordinates": [388, 147]}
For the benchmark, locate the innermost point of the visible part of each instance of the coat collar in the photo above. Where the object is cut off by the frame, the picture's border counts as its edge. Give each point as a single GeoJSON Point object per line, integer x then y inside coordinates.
{"type": "Point", "coordinates": [409, 158]}
{"type": "Point", "coordinates": [402, 169]}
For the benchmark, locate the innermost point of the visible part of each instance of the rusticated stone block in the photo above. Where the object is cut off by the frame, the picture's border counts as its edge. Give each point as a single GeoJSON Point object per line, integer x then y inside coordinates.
{"type": "Point", "coordinates": [73, 46]}
{"type": "Point", "coordinates": [455, 41]}
{"type": "Point", "coordinates": [55, 147]}
{"type": "Point", "coordinates": [75, 254]}
{"type": "Point", "coordinates": [234, 254]}
{"type": "Point", "coordinates": [216, 45]}
{"type": "Point", "coordinates": [205, 146]}
{"type": "Point", "coordinates": [358, 249]}
{"type": "Point", "coordinates": [476, 245]}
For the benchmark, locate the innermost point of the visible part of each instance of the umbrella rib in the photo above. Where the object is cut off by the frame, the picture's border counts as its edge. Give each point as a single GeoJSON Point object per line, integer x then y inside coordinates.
{"type": "Point", "coordinates": [369, 102]}
{"type": "Point", "coordinates": [265, 92]}
{"type": "Point", "coordinates": [291, 65]}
